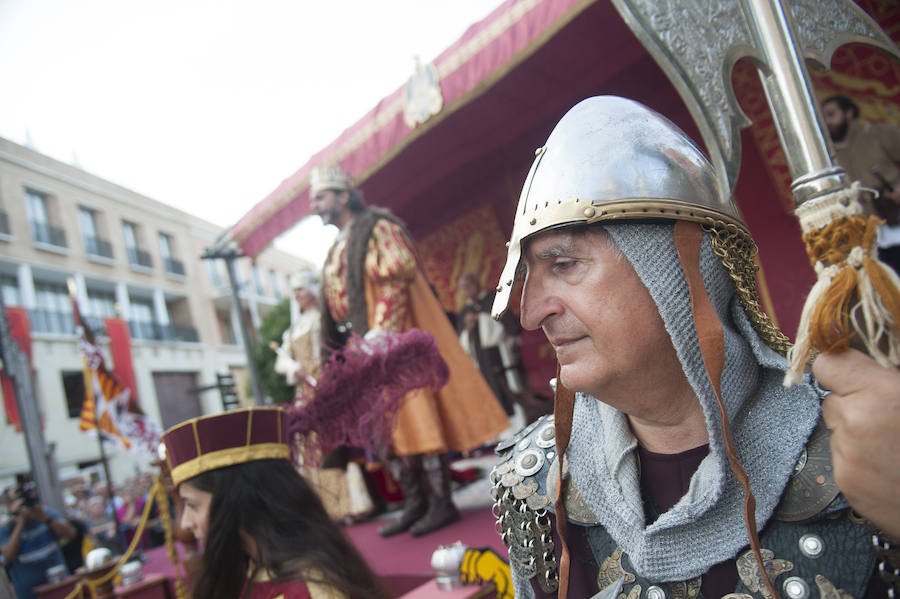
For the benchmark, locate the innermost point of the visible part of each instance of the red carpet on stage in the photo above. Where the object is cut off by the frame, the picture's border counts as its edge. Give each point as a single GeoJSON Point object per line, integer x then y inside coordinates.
{"type": "Point", "coordinates": [407, 555]}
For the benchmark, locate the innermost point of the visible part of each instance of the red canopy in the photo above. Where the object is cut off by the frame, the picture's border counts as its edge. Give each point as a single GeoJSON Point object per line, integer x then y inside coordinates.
{"type": "Point", "coordinates": [504, 84]}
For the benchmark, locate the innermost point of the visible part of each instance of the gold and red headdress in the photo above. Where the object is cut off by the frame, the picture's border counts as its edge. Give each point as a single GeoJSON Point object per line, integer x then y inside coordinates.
{"type": "Point", "coordinates": [235, 437]}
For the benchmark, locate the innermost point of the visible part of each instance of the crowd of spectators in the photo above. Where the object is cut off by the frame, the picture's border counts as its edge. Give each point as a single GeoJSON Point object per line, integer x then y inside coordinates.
{"type": "Point", "coordinates": [92, 518]}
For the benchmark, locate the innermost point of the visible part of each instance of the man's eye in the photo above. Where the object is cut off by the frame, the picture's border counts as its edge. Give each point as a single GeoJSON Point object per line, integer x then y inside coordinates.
{"type": "Point", "coordinates": [563, 265]}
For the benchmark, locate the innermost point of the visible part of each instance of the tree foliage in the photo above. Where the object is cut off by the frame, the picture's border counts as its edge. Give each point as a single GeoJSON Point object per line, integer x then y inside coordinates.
{"type": "Point", "coordinates": [276, 322]}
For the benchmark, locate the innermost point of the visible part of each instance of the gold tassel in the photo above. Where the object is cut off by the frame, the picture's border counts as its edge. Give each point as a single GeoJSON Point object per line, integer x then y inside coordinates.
{"type": "Point", "coordinates": [855, 296]}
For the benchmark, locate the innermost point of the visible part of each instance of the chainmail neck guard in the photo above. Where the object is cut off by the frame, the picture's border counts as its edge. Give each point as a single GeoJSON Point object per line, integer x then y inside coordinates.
{"type": "Point", "coordinates": [705, 526]}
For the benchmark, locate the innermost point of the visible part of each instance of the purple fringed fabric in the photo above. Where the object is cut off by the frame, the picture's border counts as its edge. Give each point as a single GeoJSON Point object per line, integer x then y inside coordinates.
{"type": "Point", "coordinates": [361, 389]}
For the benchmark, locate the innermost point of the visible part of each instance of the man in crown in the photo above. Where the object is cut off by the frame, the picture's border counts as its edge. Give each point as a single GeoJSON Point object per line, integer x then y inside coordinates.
{"type": "Point", "coordinates": [372, 285]}
{"type": "Point", "coordinates": [670, 408]}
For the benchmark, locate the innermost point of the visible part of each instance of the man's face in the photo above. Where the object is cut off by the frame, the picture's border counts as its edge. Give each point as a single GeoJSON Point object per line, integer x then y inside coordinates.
{"type": "Point", "coordinates": [595, 311]}
{"type": "Point", "coordinates": [469, 287]}
{"type": "Point", "coordinates": [836, 120]}
{"type": "Point", "coordinates": [329, 204]}
{"type": "Point", "coordinates": [305, 298]}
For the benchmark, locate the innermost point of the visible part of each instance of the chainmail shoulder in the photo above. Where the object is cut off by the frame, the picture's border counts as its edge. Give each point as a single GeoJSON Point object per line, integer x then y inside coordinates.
{"type": "Point", "coordinates": [523, 492]}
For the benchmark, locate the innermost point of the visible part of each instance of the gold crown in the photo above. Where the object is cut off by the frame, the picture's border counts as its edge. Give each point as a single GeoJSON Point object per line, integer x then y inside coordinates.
{"type": "Point", "coordinates": [328, 177]}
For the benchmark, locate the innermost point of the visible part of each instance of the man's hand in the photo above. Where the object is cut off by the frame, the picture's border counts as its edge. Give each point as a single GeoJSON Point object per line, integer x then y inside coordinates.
{"type": "Point", "coordinates": [863, 413]}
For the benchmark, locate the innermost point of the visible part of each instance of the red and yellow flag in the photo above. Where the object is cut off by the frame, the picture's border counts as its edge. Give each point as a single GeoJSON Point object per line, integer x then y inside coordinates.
{"type": "Point", "coordinates": [109, 406]}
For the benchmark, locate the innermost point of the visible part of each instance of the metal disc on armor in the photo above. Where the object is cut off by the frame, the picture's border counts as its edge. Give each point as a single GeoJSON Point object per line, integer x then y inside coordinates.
{"type": "Point", "coordinates": [529, 461]}
{"type": "Point", "coordinates": [811, 487]}
{"type": "Point", "coordinates": [504, 445]}
{"type": "Point", "coordinates": [546, 437]}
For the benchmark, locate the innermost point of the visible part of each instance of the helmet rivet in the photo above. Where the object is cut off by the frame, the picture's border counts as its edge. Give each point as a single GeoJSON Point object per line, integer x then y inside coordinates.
{"type": "Point", "coordinates": [509, 283]}
{"type": "Point", "coordinates": [507, 245]}
{"type": "Point", "coordinates": [533, 221]}
{"type": "Point", "coordinates": [499, 288]}
{"type": "Point", "coordinates": [589, 212]}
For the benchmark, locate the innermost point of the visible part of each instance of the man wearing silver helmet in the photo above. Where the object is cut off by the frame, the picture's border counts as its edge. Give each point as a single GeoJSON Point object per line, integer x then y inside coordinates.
{"type": "Point", "coordinates": [669, 406]}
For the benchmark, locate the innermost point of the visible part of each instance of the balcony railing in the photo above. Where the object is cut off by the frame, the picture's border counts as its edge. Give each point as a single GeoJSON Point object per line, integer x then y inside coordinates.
{"type": "Point", "coordinates": [96, 324]}
{"type": "Point", "coordinates": [50, 321]}
{"type": "Point", "coordinates": [175, 267]}
{"type": "Point", "coordinates": [95, 246]}
{"type": "Point", "coordinates": [138, 257]}
{"type": "Point", "coordinates": [44, 233]}
{"type": "Point", "coordinates": [153, 331]}
{"type": "Point", "coordinates": [4, 223]}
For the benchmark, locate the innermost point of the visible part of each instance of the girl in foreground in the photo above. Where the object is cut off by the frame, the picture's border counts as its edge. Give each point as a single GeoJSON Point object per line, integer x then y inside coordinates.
{"type": "Point", "coordinates": [264, 531]}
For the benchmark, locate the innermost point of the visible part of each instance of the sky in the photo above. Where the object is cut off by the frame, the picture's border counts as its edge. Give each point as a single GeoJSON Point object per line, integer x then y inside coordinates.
{"type": "Point", "coordinates": [208, 105]}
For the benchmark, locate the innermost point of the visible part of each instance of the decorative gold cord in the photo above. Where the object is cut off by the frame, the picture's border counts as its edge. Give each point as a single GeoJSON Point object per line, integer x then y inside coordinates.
{"type": "Point", "coordinates": [163, 500]}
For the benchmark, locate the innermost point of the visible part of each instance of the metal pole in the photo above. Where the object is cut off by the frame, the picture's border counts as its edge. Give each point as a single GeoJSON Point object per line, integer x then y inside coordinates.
{"type": "Point", "coordinates": [109, 484]}
{"type": "Point", "coordinates": [18, 367]}
{"type": "Point", "coordinates": [255, 384]}
{"type": "Point", "coordinates": [798, 119]}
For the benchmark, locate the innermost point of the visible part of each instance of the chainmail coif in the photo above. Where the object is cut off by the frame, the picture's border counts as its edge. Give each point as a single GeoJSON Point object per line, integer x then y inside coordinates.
{"type": "Point", "coordinates": [770, 425]}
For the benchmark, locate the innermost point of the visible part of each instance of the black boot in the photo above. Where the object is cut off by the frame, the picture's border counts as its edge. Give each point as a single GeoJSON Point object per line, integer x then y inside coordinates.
{"type": "Point", "coordinates": [441, 510]}
{"type": "Point", "coordinates": [408, 472]}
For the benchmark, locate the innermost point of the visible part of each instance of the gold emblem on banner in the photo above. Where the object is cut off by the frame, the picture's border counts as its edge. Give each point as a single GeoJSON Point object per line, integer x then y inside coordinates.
{"type": "Point", "coordinates": [422, 95]}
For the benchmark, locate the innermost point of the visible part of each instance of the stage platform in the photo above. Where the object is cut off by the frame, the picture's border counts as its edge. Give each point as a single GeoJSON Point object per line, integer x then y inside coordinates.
{"type": "Point", "coordinates": [404, 561]}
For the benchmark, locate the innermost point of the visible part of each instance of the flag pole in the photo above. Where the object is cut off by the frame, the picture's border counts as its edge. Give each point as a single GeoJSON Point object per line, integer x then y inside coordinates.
{"type": "Point", "coordinates": [104, 460]}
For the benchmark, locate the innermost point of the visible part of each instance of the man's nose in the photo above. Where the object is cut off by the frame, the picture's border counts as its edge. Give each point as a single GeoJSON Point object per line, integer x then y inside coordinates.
{"type": "Point", "coordinates": [536, 304]}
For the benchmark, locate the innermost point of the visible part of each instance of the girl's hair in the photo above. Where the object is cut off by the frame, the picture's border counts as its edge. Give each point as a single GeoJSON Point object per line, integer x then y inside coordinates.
{"type": "Point", "coordinates": [295, 538]}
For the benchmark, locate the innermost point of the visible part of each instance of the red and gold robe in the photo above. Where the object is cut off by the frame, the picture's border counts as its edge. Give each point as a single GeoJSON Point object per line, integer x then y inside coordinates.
{"type": "Point", "coordinates": [464, 414]}
{"type": "Point", "coordinates": [262, 587]}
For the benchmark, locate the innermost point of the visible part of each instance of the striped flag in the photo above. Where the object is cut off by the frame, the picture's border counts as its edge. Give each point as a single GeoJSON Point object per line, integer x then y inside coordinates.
{"type": "Point", "coordinates": [108, 404]}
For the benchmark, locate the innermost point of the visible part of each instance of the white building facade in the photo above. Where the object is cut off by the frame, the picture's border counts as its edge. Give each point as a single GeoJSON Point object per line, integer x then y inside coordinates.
{"type": "Point", "coordinates": [129, 256]}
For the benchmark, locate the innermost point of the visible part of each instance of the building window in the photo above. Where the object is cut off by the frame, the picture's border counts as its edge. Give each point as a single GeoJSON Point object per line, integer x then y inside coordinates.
{"type": "Point", "coordinates": [4, 223]}
{"type": "Point", "coordinates": [173, 266]}
{"type": "Point", "coordinates": [143, 323]}
{"type": "Point", "coordinates": [73, 384]}
{"type": "Point", "coordinates": [136, 256]}
{"type": "Point", "coordinates": [9, 287]}
{"type": "Point", "coordinates": [215, 277]}
{"type": "Point", "coordinates": [53, 309]}
{"type": "Point", "coordinates": [38, 214]}
{"type": "Point", "coordinates": [101, 304]}
{"type": "Point", "coordinates": [94, 245]}
{"type": "Point", "coordinates": [276, 287]}
{"type": "Point", "coordinates": [257, 280]}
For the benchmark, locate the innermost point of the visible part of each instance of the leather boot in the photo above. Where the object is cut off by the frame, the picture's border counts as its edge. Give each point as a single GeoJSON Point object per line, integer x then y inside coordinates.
{"type": "Point", "coordinates": [408, 472]}
{"type": "Point", "coordinates": [441, 510]}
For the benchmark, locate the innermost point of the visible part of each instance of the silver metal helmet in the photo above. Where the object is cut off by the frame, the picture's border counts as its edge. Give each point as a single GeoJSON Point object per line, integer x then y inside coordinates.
{"type": "Point", "coordinates": [612, 158]}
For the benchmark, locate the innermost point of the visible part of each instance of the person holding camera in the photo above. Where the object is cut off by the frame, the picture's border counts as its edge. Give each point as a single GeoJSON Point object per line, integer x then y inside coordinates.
{"type": "Point", "coordinates": [29, 542]}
